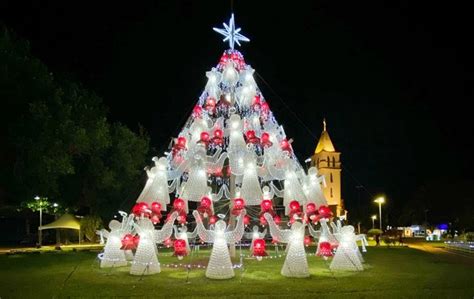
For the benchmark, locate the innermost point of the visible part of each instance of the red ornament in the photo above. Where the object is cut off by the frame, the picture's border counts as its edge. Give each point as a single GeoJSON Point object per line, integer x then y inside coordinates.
{"type": "Point", "coordinates": [156, 207]}
{"type": "Point", "coordinates": [141, 208]}
{"type": "Point", "coordinates": [218, 138]}
{"type": "Point", "coordinates": [179, 204]}
{"type": "Point", "coordinates": [205, 137]}
{"type": "Point", "coordinates": [246, 220]}
{"type": "Point", "coordinates": [251, 138]}
{"type": "Point", "coordinates": [294, 206]}
{"type": "Point", "coordinates": [285, 145]}
{"type": "Point", "coordinates": [259, 247]}
{"type": "Point", "coordinates": [182, 217]}
{"type": "Point", "coordinates": [307, 240]}
{"type": "Point", "coordinates": [263, 221]}
{"type": "Point", "coordinates": [325, 249]}
{"type": "Point", "coordinates": [238, 206]}
{"type": "Point", "coordinates": [205, 207]}
{"type": "Point", "coordinates": [197, 111]}
{"type": "Point", "coordinates": [310, 208]}
{"type": "Point", "coordinates": [212, 219]}
{"type": "Point", "coordinates": [206, 202]}
{"type": "Point", "coordinates": [218, 133]}
{"type": "Point", "coordinates": [277, 219]}
{"type": "Point", "coordinates": [155, 218]}
{"type": "Point", "coordinates": [128, 242]}
{"type": "Point", "coordinates": [179, 246]}
{"type": "Point", "coordinates": [167, 242]}
{"type": "Point", "coordinates": [324, 212]}
{"type": "Point", "coordinates": [266, 205]}
{"type": "Point", "coordinates": [181, 142]}
{"type": "Point", "coordinates": [266, 140]}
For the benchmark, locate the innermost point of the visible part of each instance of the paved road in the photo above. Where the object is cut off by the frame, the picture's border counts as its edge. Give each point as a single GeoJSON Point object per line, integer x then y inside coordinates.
{"type": "Point", "coordinates": [443, 253]}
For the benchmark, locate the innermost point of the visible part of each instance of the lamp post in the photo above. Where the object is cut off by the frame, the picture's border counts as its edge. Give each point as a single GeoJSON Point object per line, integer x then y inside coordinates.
{"type": "Point", "coordinates": [40, 232]}
{"type": "Point", "coordinates": [380, 201]}
{"type": "Point", "coordinates": [374, 217]}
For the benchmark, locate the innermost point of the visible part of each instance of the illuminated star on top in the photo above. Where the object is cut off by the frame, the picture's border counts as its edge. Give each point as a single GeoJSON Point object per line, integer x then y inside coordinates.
{"type": "Point", "coordinates": [231, 33]}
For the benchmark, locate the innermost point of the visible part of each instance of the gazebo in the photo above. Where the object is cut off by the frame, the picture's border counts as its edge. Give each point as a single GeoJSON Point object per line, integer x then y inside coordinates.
{"type": "Point", "coordinates": [65, 221]}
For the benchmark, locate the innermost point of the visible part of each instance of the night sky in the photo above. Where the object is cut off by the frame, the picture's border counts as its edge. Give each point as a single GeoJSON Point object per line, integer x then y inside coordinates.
{"type": "Point", "coordinates": [392, 78]}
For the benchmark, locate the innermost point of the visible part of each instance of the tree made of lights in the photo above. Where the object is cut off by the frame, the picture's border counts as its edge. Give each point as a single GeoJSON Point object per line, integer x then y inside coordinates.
{"type": "Point", "coordinates": [230, 152]}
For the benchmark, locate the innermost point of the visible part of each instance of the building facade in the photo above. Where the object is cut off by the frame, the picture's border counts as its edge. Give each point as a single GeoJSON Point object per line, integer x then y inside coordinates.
{"type": "Point", "coordinates": [328, 162]}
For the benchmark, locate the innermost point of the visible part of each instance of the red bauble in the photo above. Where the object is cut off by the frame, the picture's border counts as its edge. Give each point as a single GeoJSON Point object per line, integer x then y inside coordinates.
{"type": "Point", "coordinates": [182, 218]}
{"type": "Point", "coordinates": [141, 208]}
{"type": "Point", "coordinates": [212, 219]}
{"type": "Point", "coordinates": [307, 240]}
{"type": "Point", "coordinates": [246, 220]}
{"type": "Point", "coordinates": [285, 145]}
{"type": "Point", "coordinates": [218, 133]}
{"type": "Point", "coordinates": [128, 242]}
{"type": "Point", "coordinates": [156, 207]}
{"type": "Point", "coordinates": [325, 249]}
{"type": "Point", "coordinates": [167, 242]}
{"type": "Point", "coordinates": [239, 203]}
{"type": "Point", "coordinates": [277, 219]}
{"type": "Point", "coordinates": [205, 137]}
{"type": "Point", "coordinates": [179, 204]}
{"type": "Point", "coordinates": [206, 202]}
{"type": "Point", "coordinates": [181, 141]}
{"type": "Point", "coordinates": [263, 221]}
{"type": "Point", "coordinates": [266, 205]}
{"type": "Point", "coordinates": [325, 212]}
{"type": "Point", "coordinates": [179, 246]}
{"type": "Point", "coordinates": [294, 206]}
{"type": "Point", "coordinates": [266, 140]}
{"type": "Point", "coordinates": [250, 134]}
{"type": "Point", "coordinates": [197, 111]}
{"type": "Point", "coordinates": [259, 247]}
{"type": "Point", "coordinates": [311, 208]}
{"type": "Point", "coordinates": [155, 218]}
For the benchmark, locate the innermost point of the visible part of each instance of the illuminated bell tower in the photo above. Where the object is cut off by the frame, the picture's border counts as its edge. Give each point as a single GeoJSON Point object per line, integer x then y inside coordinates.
{"type": "Point", "coordinates": [328, 162]}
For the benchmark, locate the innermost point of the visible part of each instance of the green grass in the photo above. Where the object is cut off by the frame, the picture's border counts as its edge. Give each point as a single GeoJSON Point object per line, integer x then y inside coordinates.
{"type": "Point", "coordinates": [390, 273]}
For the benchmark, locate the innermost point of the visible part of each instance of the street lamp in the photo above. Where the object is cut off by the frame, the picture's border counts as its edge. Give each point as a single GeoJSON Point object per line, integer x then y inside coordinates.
{"type": "Point", "coordinates": [40, 232]}
{"type": "Point", "coordinates": [374, 217]}
{"type": "Point", "coordinates": [380, 201]}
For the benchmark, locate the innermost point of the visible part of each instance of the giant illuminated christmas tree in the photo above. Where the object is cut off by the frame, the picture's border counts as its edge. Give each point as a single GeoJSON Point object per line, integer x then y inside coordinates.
{"type": "Point", "coordinates": [232, 150]}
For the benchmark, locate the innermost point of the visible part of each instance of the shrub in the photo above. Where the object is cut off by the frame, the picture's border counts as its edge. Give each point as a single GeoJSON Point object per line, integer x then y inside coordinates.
{"type": "Point", "coordinates": [89, 225]}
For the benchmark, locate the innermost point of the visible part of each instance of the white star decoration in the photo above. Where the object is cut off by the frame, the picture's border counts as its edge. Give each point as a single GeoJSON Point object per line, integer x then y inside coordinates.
{"type": "Point", "coordinates": [231, 33]}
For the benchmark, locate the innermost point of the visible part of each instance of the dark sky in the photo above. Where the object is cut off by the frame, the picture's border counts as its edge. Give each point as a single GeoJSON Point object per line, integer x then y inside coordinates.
{"type": "Point", "coordinates": [393, 78]}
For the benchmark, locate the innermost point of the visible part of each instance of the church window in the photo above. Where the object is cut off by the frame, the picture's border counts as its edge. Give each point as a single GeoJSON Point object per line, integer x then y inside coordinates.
{"type": "Point", "coordinates": [331, 192]}
{"type": "Point", "coordinates": [330, 177]}
{"type": "Point", "coordinates": [333, 162]}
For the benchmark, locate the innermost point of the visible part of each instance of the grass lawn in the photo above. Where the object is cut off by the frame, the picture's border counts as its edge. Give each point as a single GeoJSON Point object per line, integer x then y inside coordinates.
{"type": "Point", "coordinates": [390, 273]}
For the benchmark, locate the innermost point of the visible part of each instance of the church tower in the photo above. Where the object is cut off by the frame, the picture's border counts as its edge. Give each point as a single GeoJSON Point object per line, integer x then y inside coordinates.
{"type": "Point", "coordinates": [328, 162]}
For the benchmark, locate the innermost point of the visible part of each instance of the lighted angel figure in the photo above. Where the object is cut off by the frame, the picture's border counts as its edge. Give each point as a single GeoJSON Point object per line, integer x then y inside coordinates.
{"type": "Point", "coordinates": [326, 239]}
{"type": "Point", "coordinates": [255, 234]}
{"type": "Point", "coordinates": [146, 260]}
{"type": "Point", "coordinates": [237, 149]}
{"type": "Point", "coordinates": [212, 85]}
{"type": "Point", "coordinates": [156, 188]}
{"type": "Point", "coordinates": [245, 95]}
{"type": "Point", "coordinates": [230, 76]}
{"type": "Point", "coordinates": [113, 255]}
{"type": "Point", "coordinates": [346, 257]}
{"type": "Point", "coordinates": [220, 264]}
{"type": "Point", "coordinates": [296, 264]}
{"type": "Point", "coordinates": [197, 166]}
{"type": "Point", "coordinates": [251, 190]}
{"type": "Point", "coordinates": [183, 234]}
{"type": "Point", "coordinates": [312, 187]}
